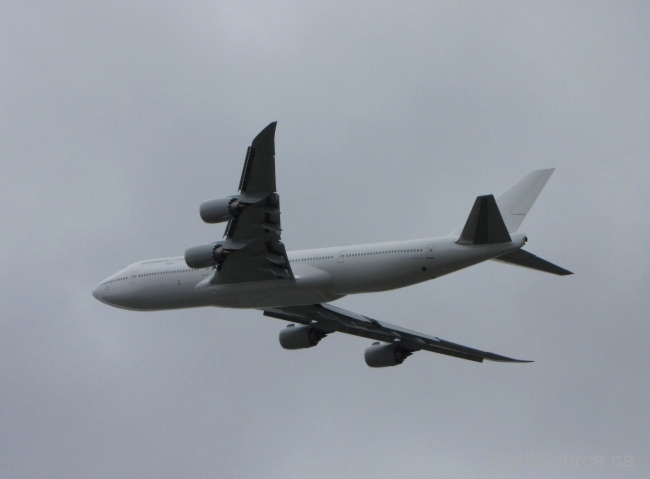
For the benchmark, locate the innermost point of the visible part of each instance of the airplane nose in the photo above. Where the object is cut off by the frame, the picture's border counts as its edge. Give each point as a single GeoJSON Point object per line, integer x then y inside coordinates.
{"type": "Point", "coordinates": [97, 293]}
{"type": "Point", "coordinates": [100, 295]}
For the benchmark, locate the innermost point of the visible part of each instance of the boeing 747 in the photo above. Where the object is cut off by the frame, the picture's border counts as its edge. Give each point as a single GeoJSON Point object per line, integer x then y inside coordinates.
{"type": "Point", "coordinates": [251, 268]}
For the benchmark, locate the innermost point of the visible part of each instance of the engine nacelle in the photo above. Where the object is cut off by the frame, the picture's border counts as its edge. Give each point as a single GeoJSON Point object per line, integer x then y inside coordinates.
{"type": "Point", "coordinates": [300, 337]}
{"type": "Point", "coordinates": [221, 209]}
{"type": "Point", "coordinates": [383, 355]}
{"type": "Point", "coordinates": [205, 255]}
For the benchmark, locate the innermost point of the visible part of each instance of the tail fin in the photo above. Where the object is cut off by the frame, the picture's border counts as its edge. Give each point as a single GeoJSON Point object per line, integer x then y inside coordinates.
{"type": "Point", "coordinates": [517, 200]}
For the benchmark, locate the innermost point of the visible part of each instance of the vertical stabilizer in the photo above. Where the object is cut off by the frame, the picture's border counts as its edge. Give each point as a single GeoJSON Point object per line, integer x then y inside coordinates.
{"type": "Point", "coordinates": [517, 200]}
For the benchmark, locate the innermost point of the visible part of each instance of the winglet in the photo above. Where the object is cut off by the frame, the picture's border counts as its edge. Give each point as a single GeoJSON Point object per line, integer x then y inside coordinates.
{"type": "Point", "coordinates": [484, 224]}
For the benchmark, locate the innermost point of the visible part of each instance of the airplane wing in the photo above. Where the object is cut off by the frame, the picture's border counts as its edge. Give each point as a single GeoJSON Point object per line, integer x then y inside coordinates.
{"type": "Point", "coordinates": [257, 253]}
{"type": "Point", "coordinates": [327, 319]}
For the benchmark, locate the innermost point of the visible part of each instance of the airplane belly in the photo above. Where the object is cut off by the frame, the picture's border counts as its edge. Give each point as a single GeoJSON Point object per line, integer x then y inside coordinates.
{"type": "Point", "coordinates": [372, 276]}
{"type": "Point", "coordinates": [312, 285]}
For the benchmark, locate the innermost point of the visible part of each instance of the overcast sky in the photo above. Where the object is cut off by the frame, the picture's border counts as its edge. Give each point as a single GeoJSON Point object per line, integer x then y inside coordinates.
{"type": "Point", "coordinates": [117, 118]}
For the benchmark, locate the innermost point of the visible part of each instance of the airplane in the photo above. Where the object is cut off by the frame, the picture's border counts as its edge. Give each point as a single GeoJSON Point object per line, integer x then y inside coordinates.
{"type": "Point", "coordinates": [251, 268]}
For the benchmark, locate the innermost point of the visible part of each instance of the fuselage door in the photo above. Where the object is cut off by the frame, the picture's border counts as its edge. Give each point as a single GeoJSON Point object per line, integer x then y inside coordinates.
{"type": "Point", "coordinates": [134, 274]}
{"type": "Point", "coordinates": [341, 257]}
{"type": "Point", "coordinates": [430, 251]}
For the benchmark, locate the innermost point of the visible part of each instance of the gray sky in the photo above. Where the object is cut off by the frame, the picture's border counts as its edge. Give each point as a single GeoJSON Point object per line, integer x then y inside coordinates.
{"type": "Point", "coordinates": [118, 118]}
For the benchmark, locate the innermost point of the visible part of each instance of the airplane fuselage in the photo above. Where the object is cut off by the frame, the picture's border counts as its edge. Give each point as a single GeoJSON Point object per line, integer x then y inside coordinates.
{"type": "Point", "coordinates": [321, 275]}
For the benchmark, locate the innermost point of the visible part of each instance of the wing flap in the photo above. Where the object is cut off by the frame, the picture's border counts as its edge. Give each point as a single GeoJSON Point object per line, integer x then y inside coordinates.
{"type": "Point", "coordinates": [252, 263]}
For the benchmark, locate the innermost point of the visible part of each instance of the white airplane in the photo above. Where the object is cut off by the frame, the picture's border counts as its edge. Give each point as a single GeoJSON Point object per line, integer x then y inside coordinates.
{"type": "Point", "coordinates": [250, 267]}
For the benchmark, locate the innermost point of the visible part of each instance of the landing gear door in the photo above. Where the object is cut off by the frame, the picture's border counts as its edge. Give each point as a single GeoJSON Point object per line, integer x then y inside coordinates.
{"type": "Point", "coordinates": [430, 251]}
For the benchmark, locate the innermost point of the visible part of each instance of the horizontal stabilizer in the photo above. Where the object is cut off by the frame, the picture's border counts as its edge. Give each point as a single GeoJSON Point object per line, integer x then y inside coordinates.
{"type": "Point", "coordinates": [484, 224]}
{"type": "Point", "coordinates": [528, 260]}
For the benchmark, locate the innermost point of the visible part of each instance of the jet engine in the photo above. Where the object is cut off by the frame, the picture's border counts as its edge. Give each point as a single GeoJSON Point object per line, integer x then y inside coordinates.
{"type": "Point", "coordinates": [383, 355]}
{"type": "Point", "coordinates": [300, 337]}
{"type": "Point", "coordinates": [205, 255]}
{"type": "Point", "coordinates": [221, 209]}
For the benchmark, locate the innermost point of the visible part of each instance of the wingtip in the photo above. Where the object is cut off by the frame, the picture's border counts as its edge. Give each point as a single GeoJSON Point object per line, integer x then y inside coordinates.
{"type": "Point", "coordinates": [504, 359]}
{"type": "Point", "coordinates": [270, 127]}
{"type": "Point", "coordinates": [267, 133]}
